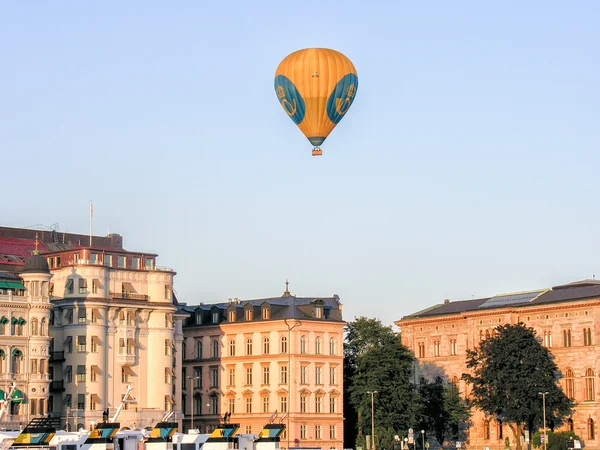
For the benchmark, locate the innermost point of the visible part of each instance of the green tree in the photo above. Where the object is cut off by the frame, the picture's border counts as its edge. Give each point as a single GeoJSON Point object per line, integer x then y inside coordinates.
{"type": "Point", "coordinates": [508, 371]}
{"type": "Point", "coordinates": [556, 441]}
{"type": "Point", "coordinates": [376, 360]}
{"type": "Point", "coordinates": [443, 410]}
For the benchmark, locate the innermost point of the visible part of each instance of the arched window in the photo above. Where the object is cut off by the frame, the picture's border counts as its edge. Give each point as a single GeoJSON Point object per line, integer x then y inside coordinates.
{"type": "Point", "coordinates": [34, 327]}
{"type": "Point", "coordinates": [486, 430]}
{"type": "Point", "coordinates": [248, 346]}
{"type": "Point", "coordinates": [454, 383]}
{"type": "Point", "coordinates": [589, 384]}
{"type": "Point", "coordinates": [283, 344]}
{"type": "Point", "coordinates": [16, 358]}
{"type": "Point", "coordinates": [569, 384]}
{"type": "Point", "coordinates": [480, 335]}
{"type": "Point", "coordinates": [303, 344]}
{"type": "Point", "coordinates": [266, 346]}
{"type": "Point", "coordinates": [231, 347]}
{"type": "Point", "coordinates": [199, 349]}
{"type": "Point", "coordinates": [332, 346]}
{"type": "Point", "coordinates": [215, 349]}
{"type": "Point", "coordinates": [591, 435]}
{"type": "Point", "coordinates": [487, 335]}
{"type": "Point", "coordinates": [570, 425]}
{"type": "Point", "coordinates": [318, 346]}
{"type": "Point", "coordinates": [43, 328]}
{"type": "Point", "coordinates": [499, 431]}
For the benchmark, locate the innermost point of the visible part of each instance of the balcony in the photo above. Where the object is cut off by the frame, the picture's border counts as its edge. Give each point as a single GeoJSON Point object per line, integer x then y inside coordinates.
{"type": "Point", "coordinates": [39, 377]}
{"type": "Point", "coordinates": [126, 359]}
{"type": "Point", "coordinates": [127, 296]}
{"type": "Point", "coordinates": [57, 357]}
{"type": "Point", "coordinates": [57, 386]}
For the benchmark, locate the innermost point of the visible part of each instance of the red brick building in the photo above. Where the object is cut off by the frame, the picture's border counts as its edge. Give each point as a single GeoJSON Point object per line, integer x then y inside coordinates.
{"type": "Point", "coordinates": [566, 319]}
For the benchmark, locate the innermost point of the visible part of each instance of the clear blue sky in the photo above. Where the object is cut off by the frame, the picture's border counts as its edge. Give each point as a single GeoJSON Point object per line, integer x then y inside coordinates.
{"type": "Point", "coordinates": [468, 164]}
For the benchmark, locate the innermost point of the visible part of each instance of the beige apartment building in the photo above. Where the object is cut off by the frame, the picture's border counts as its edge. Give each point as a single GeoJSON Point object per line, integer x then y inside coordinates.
{"type": "Point", "coordinates": [567, 321]}
{"type": "Point", "coordinates": [252, 358]}
{"type": "Point", "coordinates": [24, 342]}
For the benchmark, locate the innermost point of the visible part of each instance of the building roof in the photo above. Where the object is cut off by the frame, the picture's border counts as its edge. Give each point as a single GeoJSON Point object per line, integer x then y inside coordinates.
{"type": "Point", "coordinates": [578, 290]}
{"type": "Point", "coordinates": [36, 263]}
{"type": "Point", "coordinates": [285, 307]}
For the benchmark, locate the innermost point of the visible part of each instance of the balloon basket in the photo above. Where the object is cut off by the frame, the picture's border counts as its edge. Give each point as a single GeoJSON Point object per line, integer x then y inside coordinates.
{"type": "Point", "coordinates": [317, 152]}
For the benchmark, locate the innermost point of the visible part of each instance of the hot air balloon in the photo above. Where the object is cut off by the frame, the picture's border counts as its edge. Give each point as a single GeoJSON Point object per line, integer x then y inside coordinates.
{"type": "Point", "coordinates": [316, 87]}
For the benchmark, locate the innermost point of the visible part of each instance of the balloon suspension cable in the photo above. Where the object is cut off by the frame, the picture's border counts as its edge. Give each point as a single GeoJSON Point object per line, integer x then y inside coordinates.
{"type": "Point", "coordinates": [317, 151]}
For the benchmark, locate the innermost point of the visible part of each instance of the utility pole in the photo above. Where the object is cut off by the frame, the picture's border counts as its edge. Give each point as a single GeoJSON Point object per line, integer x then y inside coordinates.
{"type": "Point", "coordinates": [373, 446]}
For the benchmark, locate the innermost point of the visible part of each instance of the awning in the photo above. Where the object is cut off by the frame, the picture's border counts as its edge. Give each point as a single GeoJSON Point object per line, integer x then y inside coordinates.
{"type": "Point", "coordinates": [17, 352]}
{"type": "Point", "coordinates": [95, 368]}
{"type": "Point", "coordinates": [69, 283]}
{"type": "Point", "coordinates": [2, 354]}
{"type": "Point", "coordinates": [17, 396]}
{"type": "Point", "coordinates": [128, 370]}
{"type": "Point", "coordinates": [83, 283]}
{"type": "Point", "coordinates": [80, 370]}
{"type": "Point", "coordinates": [68, 340]}
{"type": "Point", "coordinates": [168, 399]}
{"type": "Point", "coordinates": [95, 283]}
{"type": "Point", "coordinates": [168, 370]}
{"type": "Point", "coordinates": [81, 313]}
{"type": "Point", "coordinates": [121, 342]}
{"type": "Point", "coordinates": [95, 340]}
{"type": "Point", "coordinates": [67, 399]}
{"type": "Point", "coordinates": [13, 285]}
{"type": "Point", "coordinates": [128, 287]}
{"type": "Point", "coordinates": [4, 320]}
{"type": "Point", "coordinates": [22, 321]}
{"type": "Point", "coordinates": [2, 395]}
{"type": "Point", "coordinates": [14, 320]}
{"type": "Point", "coordinates": [80, 340]}
{"type": "Point", "coordinates": [3, 285]}
{"type": "Point", "coordinates": [131, 341]}
{"type": "Point", "coordinates": [95, 398]}
{"type": "Point", "coordinates": [51, 286]}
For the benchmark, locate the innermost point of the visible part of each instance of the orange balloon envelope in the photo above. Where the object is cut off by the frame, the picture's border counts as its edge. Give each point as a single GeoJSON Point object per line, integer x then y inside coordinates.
{"type": "Point", "coordinates": [316, 87]}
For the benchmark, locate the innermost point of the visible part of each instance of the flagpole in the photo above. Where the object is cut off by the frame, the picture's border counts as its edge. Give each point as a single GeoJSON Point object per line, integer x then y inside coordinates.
{"type": "Point", "coordinates": [91, 215]}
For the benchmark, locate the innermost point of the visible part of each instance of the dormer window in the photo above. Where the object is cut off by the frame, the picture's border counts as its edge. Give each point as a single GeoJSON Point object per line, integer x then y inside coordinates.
{"type": "Point", "coordinates": [318, 312]}
{"type": "Point", "coordinates": [248, 314]}
{"type": "Point", "coordinates": [232, 316]}
{"type": "Point", "coordinates": [266, 313]}
{"type": "Point", "coordinates": [215, 317]}
{"type": "Point", "coordinates": [198, 319]}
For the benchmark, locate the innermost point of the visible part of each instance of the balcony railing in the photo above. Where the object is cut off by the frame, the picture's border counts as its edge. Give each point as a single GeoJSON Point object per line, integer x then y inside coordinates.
{"type": "Point", "coordinates": [128, 296]}
{"type": "Point", "coordinates": [125, 359]}
{"type": "Point", "coordinates": [57, 385]}
{"type": "Point", "coordinates": [57, 356]}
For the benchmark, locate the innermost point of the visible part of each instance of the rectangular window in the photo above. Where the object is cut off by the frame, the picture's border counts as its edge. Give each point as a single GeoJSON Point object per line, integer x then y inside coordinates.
{"type": "Point", "coordinates": [317, 431]}
{"type": "Point", "coordinates": [231, 377]}
{"type": "Point", "coordinates": [303, 377]}
{"type": "Point", "coordinates": [76, 258]}
{"type": "Point", "coordinates": [231, 405]}
{"type": "Point", "coordinates": [332, 375]}
{"type": "Point", "coordinates": [265, 404]}
{"type": "Point", "coordinates": [121, 346]}
{"type": "Point", "coordinates": [80, 374]}
{"type": "Point", "coordinates": [214, 377]}
{"type": "Point", "coordinates": [81, 344]}
{"type": "Point", "coordinates": [149, 263]}
{"type": "Point", "coordinates": [265, 375]}
{"type": "Point", "coordinates": [136, 262]}
{"type": "Point", "coordinates": [94, 258]}
{"type": "Point", "coordinates": [94, 376]}
{"type": "Point", "coordinates": [198, 319]}
{"type": "Point", "coordinates": [81, 402]}
{"type": "Point", "coordinates": [266, 313]}
{"type": "Point", "coordinates": [283, 375]}
{"type": "Point", "coordinates": [248, 314]}
{"type": "Point", "coordinates": [248, 405]}
{"type": "Point", "coordinates": [453, 347]}
{"type": "Point", "coordinates": [318, 371]}
{"type": "Point", "coordinates": [95, 285]}
{"type": "Point", "coordinates": [302, 431]}
{"type": "Point", "coordinates": [70, 286]}
{"type": "Point", "coordinates": [167, 347]}
{"type": "Point", "coordinates": [108, 260]}
{"type": "Point", "coordinates": [122, 261]}
{"type": "Point", "coordinates": [215, 317]}
{"type": "Point", "coordinates": [436, 348]}
{"type": "Point", "coordinates": [318, 404]}
{"type": "Point", "coordinates": [332, 404]}
{"type": "Point", "coordinates": [69, 374]}
{"type": "Point", "coordinates": [548, 339]}
{"type": "Point", "coordinates": [248, 429]}
{"type": "Point", "coordinates": [566, 338]}
{"type": "Point", "coordinates": [331, 431]}
{"type": "Point", "coordinates": [303, 404]}
{"type": "Point", "coordinates": [283, 404]}
{"type": "Point", "coordinates": [319, 312]}
{"type": "Point", "coordinates": [248, 375]}
{"type": "Point", "coordinates": [421, 349]}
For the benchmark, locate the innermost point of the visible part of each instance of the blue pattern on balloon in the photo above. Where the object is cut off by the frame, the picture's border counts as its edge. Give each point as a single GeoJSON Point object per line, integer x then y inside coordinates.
{"type": "Point", "coordinates": [342, 97]}
{"type": "Point", "coordinates": [290, 99]}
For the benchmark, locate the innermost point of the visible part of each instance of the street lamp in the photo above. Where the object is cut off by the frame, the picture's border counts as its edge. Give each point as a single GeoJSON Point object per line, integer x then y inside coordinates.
{"type": "Point", "coordinates": [423, 438]}
{"type": "Point", "coordinates": [373, 447]}
{"type": "Point", "coordinates": [192, 398]}
{"type": "Point", "coordinates": [543, 394]}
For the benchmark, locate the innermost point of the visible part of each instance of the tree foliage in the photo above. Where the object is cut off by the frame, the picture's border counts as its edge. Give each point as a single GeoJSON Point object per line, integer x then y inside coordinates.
{"type": "Point", "coordinates": [443, 410]}
{"type": "Point", "coordinates": [556, 441]}
{"type": "Point", "coordinates": [508, 371]}
{"type": "Point", "coordinates": [376, 360]}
